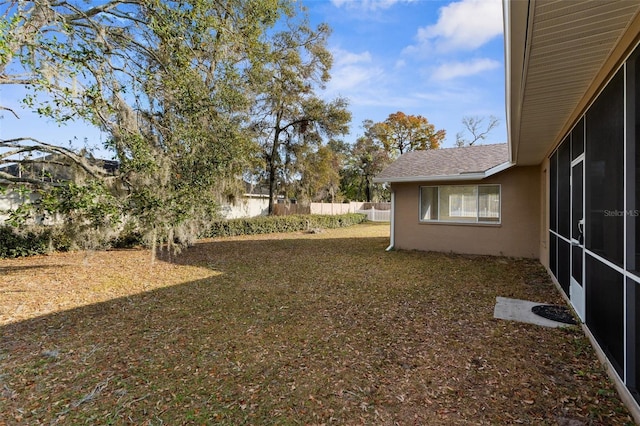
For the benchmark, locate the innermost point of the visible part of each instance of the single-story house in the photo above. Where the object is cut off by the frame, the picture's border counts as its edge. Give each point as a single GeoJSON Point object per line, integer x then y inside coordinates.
{"type": "Point", "coordinates": [450, 199]}
{"type": "Point", "coordinates": [566, 187]}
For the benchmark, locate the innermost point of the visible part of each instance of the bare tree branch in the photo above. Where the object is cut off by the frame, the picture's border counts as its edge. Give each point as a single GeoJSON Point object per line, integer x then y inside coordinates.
{"type": "Point", "coordinates": [10, 110]}
{"type": "Point", "coordinates": [22, 145]}
{"type": "Point", "coordinates": [475, 126]}
{"type": "Point", "coordinates": [7, 179]}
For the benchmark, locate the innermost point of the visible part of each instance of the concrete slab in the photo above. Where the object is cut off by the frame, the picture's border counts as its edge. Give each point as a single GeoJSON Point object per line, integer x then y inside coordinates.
{"type": "Point", "coordinates": [520, 310]}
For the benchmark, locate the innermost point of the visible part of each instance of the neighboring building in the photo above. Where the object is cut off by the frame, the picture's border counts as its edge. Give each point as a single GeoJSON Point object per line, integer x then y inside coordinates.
{"type": "Point", "coordinates": [47, 168]}
{"type": "Point", "coordinates": [570, 193]}
{"type": "Point", "coordinates": [253, 202]}
{"type": "Point", "coordinates": [466, 200]}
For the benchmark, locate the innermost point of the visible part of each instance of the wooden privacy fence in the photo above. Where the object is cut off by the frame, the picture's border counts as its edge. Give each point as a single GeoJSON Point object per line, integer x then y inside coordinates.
{"type": "Point", "coordinates": [282, 209]}
{"type": "Point", "coordinates": [335, 208]}
{"type": "Point", "coordinates": [377, 212]}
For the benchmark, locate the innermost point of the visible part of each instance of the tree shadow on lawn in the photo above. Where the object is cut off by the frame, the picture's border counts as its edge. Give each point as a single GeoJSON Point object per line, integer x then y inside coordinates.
{"type": "Point", "coordinates": [308, 331]}
{"type": "Point", "coordinates": [7, 270]}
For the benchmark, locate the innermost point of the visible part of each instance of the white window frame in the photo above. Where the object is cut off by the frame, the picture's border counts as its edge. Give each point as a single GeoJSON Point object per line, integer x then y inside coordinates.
{"type": "Point", "coordinates": [465, 218]}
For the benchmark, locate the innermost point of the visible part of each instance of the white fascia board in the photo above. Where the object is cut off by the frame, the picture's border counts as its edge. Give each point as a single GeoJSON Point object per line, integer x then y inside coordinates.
{"type": "Point", "coordinates": [507, 70]}
{"type": "Point", "coordinates": [517, 21]}
{"type": "Point", "coordinates": [499, 168]}
{"type": "Point", "coordinates": [457, 177]}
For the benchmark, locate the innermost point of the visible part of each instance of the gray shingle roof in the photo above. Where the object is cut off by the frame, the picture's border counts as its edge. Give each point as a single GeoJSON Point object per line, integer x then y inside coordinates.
{"type": "Point", "coordinates": [458, 163]}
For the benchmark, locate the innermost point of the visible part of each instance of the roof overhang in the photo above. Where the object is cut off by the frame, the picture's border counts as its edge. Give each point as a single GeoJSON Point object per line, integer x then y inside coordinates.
{"type": "Point", "coordinates": [558, 56]}
{"type": "Point", "coordinates": [447, 178]}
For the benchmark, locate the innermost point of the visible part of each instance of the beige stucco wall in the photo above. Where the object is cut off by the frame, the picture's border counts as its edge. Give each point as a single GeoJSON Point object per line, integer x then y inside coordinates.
{"type": "Point", "coordinates": [517, 235]}
{"type": "Point", "coordinates": [544, 213]}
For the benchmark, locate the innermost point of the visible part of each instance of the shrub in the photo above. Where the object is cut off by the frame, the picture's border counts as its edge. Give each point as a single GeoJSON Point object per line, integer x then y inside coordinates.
{"type": "Point", "coordinates": [31, 241]}
{"type": "Point", "coordinates": [273, 224]}
{"type": "Point", "coordinates": [34, 240]}
{"type": "Point", "coordinates": [128, 239]}
{"type": "Point", "coordinates": [20, 244]}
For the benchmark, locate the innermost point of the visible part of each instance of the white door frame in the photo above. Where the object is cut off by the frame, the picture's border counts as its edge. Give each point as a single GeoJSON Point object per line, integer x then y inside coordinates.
{"type": "Point", "coordinates": [576, 289]}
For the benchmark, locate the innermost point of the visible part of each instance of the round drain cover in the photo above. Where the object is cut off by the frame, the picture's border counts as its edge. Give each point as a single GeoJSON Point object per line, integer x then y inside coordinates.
{"type": "Point", "coordinates": [554, 313]}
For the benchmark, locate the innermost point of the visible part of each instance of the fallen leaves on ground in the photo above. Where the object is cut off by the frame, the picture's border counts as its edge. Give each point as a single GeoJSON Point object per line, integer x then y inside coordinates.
{"type": "Point", "coordinates": [289, 329]}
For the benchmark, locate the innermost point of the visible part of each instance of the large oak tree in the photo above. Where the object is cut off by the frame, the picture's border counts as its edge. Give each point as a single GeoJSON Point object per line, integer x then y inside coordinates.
{"type": "Point", "coordinates": [170, 82]}
{"type": "Point", "coordinates": [290, 117]}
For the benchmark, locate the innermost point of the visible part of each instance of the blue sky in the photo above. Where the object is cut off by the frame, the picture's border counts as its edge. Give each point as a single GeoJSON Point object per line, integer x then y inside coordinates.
{"type": "Point", "coordinates": [440, 59]}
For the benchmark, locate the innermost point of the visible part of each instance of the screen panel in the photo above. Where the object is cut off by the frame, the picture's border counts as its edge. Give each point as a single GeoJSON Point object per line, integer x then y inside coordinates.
{"type": "Point", "coordinates": [634, 135]}
{"type": "Point", "coordinates": [564, 189]}
{"type": "Point", "coordinates": [576, 263]}
{"type": "Point", "coordinates": [577, 211]}
{"type": "Point", "coordinates": [564, 265]}
{"type": "Point", "coordinates": [637, 345]}
{"type": "Point", "coordinates": [605, 302]}
{"type": "Point", "coordinates": [553, 253]}
{"type": "Point", "coordinates": [604, 169]}
{"type": "Point", "coordinates": [553, 192]}
{"type": "Point", "coordinates": [577, 140]}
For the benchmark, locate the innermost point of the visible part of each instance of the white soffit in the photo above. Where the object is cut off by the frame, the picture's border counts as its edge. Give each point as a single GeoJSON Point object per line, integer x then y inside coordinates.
{"type": "Point", "coordinates": [555, 49]}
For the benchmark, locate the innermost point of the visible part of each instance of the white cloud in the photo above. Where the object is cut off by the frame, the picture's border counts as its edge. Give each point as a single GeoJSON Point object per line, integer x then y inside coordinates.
{"type": "Point", "coordinates": [352, 72]}
{"type": "Point", "coordinates": [368, 4]}
{"type": "Point", "coordinates": [343, 58]}
{"type": "Point", "coordinates": [462, 25]}
{"type": "Point", "coordinates": [453, 70]}
{"type": "Point", "coordinates": [351, 77]}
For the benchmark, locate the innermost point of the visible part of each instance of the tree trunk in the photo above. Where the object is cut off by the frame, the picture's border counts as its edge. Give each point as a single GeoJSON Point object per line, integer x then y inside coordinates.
{"type": "Point", "coordinates": [273, 168]}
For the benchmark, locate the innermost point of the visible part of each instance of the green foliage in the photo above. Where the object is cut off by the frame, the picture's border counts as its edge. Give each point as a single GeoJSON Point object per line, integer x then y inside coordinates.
{"type": "Point", "coordinates": [31, 241]}
{"type": "Point", "coordinates": [91, 203]}
{"type": "Point", "coordinates": [273, 224]}
{"type": "Point", "coordinates": [43, 239]}
{"type": "Point", "coordinates": [320, 179]}
{"type": "Point", "coordinates": [290, 119]}
{"type": "Point", "coordinates": [366, 158]}
{"type": "Point", "coordinates": [34, 240]}
{"type": "Point", "coordinates": [128, 239]}
{"type": "Point", "coordinates": [381, 143]}
{"type": "Point", "coordinates": [90, 214]}
{"type": "Point", "coordinates": [13, 244]}
{"type": "Point", "coordinates": [171, 83]}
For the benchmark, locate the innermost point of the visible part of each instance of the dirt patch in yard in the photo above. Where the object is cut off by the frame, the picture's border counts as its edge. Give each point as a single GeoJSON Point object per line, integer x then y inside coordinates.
{"type": "Point", "coordinates": [323, 328]}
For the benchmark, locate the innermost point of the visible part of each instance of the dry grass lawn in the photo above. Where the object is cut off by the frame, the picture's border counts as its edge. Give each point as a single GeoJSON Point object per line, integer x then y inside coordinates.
{"type": "Point", "coordinates": [288, 329]}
